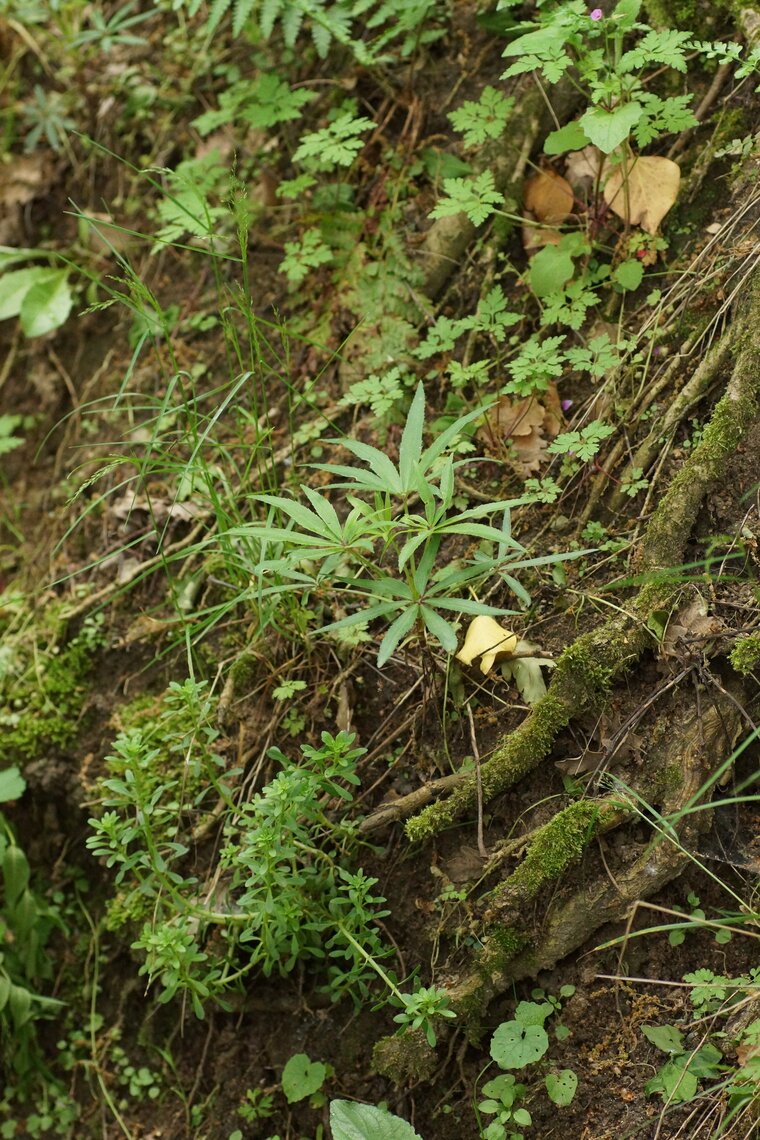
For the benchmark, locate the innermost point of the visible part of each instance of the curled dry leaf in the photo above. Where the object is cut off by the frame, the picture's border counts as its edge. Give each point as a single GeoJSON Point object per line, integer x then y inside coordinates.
{"type": "Point", "coordinates": [486, 639]}
{"type": "Point", "coordinates": [687, 633]}
{"type": "Point", "coordinates": [583, 168]}
{"type": "Point", "coordinates": [549, 200]}
{"type": "Point", "coordinates": [643, 194]}
{"type": "Point", "coordinates": [525, 426]}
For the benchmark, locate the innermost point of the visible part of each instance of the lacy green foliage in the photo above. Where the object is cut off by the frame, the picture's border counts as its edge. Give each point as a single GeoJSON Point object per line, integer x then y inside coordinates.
{"type": "Point", "coordinates": [283, 891]}
{"type": "Point", "coordinates": [42, 686]}
{"type": "Point", "coordinates": [191, 204]}
{"type": "Point", "coordinates": [389, 22]}
{"type": "Point", "coordinates": [713, 997]}
{"type": "Point", "coordinates": [258, 103]}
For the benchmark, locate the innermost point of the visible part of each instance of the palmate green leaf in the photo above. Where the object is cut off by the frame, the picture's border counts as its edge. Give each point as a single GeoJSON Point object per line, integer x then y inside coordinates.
{"type": "Point", "coordinates": [304, 518]}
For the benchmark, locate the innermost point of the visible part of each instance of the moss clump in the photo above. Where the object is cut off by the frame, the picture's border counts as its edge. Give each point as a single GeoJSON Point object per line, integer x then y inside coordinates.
{"type": "Point", "coordinates": [42, 693]}
{"type": "Point", "coordinates": [554, 848]}
{"type": "Point", "coordinates": [405, 1058]}
{"type": "Point", "coordinates": [745, 655]}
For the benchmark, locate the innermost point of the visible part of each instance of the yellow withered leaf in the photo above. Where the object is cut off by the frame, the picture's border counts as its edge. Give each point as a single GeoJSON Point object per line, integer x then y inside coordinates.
{"type": "Point", "coordinates": [487, 640]}
{"type": "Point", "coordinates": [646, 193]}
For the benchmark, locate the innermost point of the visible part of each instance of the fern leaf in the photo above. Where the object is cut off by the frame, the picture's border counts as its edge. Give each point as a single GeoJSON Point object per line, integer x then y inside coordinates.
{"type": "Point", "coordinates": [270, 10]}
{"type": "Point", "coordinates": [217, 13]}
{"type": "Point", "coordinates": [243, 9]}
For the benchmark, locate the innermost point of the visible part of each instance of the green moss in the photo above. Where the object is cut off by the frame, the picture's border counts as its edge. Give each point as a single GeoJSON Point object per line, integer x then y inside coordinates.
{"type": "Point", "coordinates": [554, 848]}
{"type": "Point", "coordinates": [42, 694]}
{"type": "Point", "coordinates": [745, 654]}
{"type": "Point", "coordinates": [243, 671]}
{"type": "Point", "coordinates": [404, 1058]}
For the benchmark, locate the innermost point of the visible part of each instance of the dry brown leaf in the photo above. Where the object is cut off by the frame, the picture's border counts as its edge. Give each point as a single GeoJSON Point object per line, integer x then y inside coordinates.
{"type": "Point", "coordinates": [652, 188]}
{"type": "Point", "coordinates": [524, 425]}
{"type": "Point", "coordinates": [486, 639]}
{"type": "Point", "coordinates": [691, 622]}
{"type": "Point", "coordinates": [549, 197]}
{"type": "Point", "coordinates": [582, 167]}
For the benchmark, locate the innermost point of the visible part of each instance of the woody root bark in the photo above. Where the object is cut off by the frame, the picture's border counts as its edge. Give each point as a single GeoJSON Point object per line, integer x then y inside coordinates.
{"type": "Point", "coordinates": [694, 731]}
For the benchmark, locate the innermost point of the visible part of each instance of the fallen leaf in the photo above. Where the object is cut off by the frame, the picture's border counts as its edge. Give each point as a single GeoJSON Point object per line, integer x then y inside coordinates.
{"type": "Point", "coordinates": [549, 197]}
{"type": "Point", "coordinates": [464, 865]}
{"type": "Point", "coordinates": [691, 622]}
{"type": "Point", "coordinates": [652, 188]}
{"type": "Point", "coordinates": [582, 167]}
{"type": "Point", "coordinates": [549, 200]}
{"type": "Point", "coordinates": [526, 425]}
{"type": "Point", "coordinates": [486, 639]}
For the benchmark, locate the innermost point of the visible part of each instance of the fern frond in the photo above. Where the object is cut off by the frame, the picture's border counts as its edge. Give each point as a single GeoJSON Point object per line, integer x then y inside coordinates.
{"type": "Point", "coordinates": [217, 13]}
{"type": "Point", "coordinates": [242, 11]}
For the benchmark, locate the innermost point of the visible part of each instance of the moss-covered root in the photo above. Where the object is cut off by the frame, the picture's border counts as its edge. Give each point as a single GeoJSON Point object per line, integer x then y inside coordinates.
{"type": "Point", "coordinates": [552, 850]}
{"type": "Point", "coordinates": [587, 667]}
{"type": "Point", "coordinates": [581, 680]}
{"type": "Point", "coordinates": [682, 762]}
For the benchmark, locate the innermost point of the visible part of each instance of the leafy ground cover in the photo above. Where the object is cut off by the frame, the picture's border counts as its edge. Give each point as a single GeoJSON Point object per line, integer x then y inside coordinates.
{"type": "Point", "coordinates": [378, 570]}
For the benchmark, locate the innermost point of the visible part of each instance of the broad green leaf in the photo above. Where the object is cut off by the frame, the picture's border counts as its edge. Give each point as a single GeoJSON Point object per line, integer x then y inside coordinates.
{"type": "Point", "coordinates": [15, 873]}
{"type": "Point", "coordinates": [302, 1077]}
{"type": "Point", "coordinates": [12, 784]}
{"type": "Point", "coordinates": [550, 270]}
{"type": "Point", "coordinates": [561, 1086]}
{"type": "Point", "coordinates": [15, 286]}
{"type": "Point", "coordinates": [675, 1083]}
{"type": "Point", "coordinates": [608, 129]}
{"type": "Point", "coordinates": [47, 304]}
{"type": "Point", "coordinates": [570, 137]}
{"type": "Point", "coordinates": [513, 1045]}
{"type": "Point", "coordinates": [351, 1121]}
{"type": "Point", "coordinates": [628, 274]}
{"type": "Point", "coordinates": [664, 1037]}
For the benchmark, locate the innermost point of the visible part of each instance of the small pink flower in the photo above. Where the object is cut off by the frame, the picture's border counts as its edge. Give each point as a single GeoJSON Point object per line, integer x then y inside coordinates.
{"type": "Point", "coordinates": [597, 14]}
{"type": "Point", "coordinates": [566, 405]}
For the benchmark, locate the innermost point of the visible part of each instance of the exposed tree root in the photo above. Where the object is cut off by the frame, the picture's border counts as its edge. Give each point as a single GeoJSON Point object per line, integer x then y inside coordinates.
{"type": "Point", "coordinates": [512, 945]}
{"type": "Point", "coordinates": [586, 669]}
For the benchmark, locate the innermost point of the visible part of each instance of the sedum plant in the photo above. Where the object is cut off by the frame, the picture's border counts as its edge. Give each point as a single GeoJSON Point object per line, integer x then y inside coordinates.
{"type": "Point", "coordinates": [285, 890]}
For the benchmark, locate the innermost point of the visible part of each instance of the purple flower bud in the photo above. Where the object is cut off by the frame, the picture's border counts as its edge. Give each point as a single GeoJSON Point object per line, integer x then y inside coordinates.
{"type": "Point", "coordinates": [566, 405]}
{"type": "Point", "coordinates": [597, 14]}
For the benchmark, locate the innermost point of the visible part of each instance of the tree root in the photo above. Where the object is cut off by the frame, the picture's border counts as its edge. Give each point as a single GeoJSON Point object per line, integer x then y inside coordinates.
{"type": "Point", "coordinates": [587, 668]}
{"type": "Point", "coordinates": [511, 947]}
{"type": "Point", "coordinates": [685, 761]}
